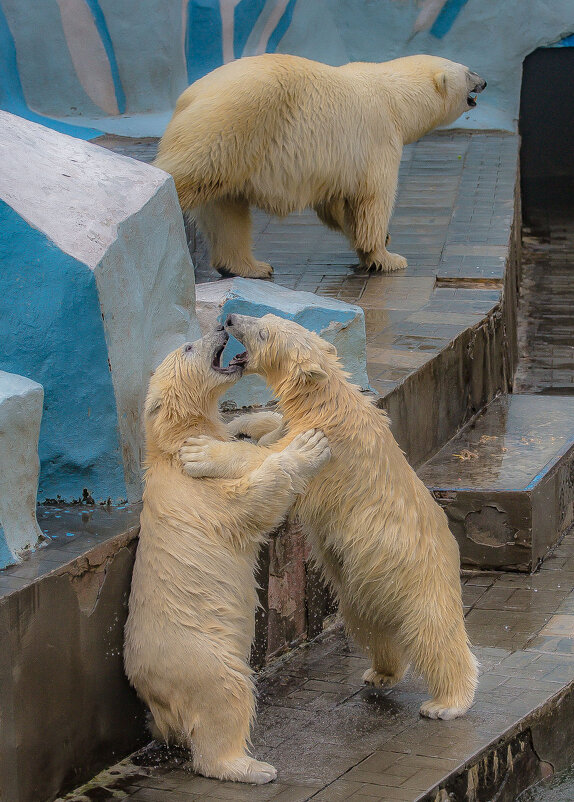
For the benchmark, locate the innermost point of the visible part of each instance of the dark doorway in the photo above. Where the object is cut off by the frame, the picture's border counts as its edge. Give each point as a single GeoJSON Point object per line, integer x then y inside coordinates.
{"type": "Point", "coordinates": [546, 126]}
{"type": "Point", "coordinates": [546, 307]}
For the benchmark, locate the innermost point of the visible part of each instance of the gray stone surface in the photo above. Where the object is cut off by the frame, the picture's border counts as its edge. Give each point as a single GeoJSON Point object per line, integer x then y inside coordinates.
{"type": "Point", "coordinates": [546, 324]}
{"type": "Point", "coordinates": [21, 403]}
{"type": "Point", "coordinates": [506, 481]}
{"type": "Point", "coordinates": [65, 704]}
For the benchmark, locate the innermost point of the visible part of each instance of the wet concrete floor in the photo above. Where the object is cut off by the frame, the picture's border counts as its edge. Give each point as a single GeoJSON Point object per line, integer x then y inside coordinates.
{"type": "Point", "coordinates": [332, 739]}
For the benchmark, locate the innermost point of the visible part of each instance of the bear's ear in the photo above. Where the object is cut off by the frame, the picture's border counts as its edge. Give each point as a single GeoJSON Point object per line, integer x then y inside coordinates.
{"type": "Point", "coordinates": [314, 373]}
{"type": "Point", "coordinates": [440, 81]}
{"type": "Point", "coordinates": [328, 348]}
{"type": "Point", "coordinates": [153, 405]}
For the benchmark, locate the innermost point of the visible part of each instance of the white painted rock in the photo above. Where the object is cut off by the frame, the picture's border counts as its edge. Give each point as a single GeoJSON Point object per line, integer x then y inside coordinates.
{"type": "Point", "coordinates": [340, 323]}
{"type": "Point", "coordinates": [96, 287]}
{"type": "Point", "coordinates": [21, 403]}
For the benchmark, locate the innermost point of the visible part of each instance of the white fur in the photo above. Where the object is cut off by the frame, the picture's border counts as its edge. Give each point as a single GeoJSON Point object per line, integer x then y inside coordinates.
{"type": "Point", "coordinates": [379, 536]}
{"type": "Point", "coordinates": [283, 133]}
{"type": "Point", "coordinates": [193, 595]}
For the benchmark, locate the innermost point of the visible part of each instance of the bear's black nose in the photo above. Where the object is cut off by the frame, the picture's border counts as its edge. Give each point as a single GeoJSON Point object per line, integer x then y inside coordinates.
{"type": "Point", "coordinates": [229, 321]}
{"type": "Point", "coordinates": [219, 327]}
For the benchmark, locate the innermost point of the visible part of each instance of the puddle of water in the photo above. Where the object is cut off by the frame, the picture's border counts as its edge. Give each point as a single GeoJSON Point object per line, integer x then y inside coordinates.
{"type": "Point", "coordinates": [559, 788]}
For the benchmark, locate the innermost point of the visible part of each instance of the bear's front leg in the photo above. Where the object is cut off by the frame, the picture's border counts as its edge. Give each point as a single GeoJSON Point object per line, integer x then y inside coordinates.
{"type": "Point", "coordinates": [205, 457]}
{"type": "Point", "coordinates": [261, 499]}
{"type": "Point", "coordinates": [371, 219]}
{"type": "Point", "coordinates": [264, 427]}
{"type": "Point", "coordinates": [227, 225]}
{"type": "Point", "coordinates": [369, 213]}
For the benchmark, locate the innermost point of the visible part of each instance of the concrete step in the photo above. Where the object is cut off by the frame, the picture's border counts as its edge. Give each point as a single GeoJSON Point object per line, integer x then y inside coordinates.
{"type": "Point", "coordinates": [506, 481]}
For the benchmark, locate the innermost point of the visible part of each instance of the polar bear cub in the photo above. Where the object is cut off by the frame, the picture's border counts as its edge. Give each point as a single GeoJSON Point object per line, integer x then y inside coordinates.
{"type": "Point", "coordinates": [193, 595]}
{"type": "Point", "coordinates": [284, 133]}
{"type": "Point", "coordinates": [379, 536]}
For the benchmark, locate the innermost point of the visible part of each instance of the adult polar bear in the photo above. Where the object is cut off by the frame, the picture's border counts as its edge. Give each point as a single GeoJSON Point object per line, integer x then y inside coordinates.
{"type": "Point", "coordinates": [283, 133]}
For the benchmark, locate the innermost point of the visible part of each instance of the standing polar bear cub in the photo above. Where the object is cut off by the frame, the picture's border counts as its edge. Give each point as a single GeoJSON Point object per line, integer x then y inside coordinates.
{"type": "Point", "coordinates": [283, 133]}
{"type": "Point", "coordinates": [379, 536]}
{"type": "Point", "coordinates": [193, 596]}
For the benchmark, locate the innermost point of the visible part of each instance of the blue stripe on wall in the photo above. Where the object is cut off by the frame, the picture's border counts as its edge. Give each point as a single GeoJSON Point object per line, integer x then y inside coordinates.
{"type": "Point", "coordinates": [203, 40]}
{"type": "Point", "coordinates": [282, 26]}
{"type": "Point", "coordinates": [102, 27]}
{"type": "Point", "coordinates": [12, 95]}
{"type": "Point", "coordinates": [568, 41]}
{"type": "Point", "coordinates": [446, 18]}
{"type": "Point", "coordinates": [51, 331]}
{"type": "Point", "coordinates": [246, 15]}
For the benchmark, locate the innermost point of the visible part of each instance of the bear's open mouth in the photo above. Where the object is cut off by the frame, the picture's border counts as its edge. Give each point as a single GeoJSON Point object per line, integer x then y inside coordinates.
{"type": "Point", "coordinates": [237, 363]}
{"type": "Point", "coordinates": [471, 101]}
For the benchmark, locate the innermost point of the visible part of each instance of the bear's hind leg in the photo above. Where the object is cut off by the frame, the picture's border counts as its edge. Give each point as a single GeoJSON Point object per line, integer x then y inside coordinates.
{"type": "Point", "coordinates": [443, 657]}
{"type": "Point", "coordinates": [332, 214]}
{"type": "Point", "coordinates": [227, 225]}
{"type": "Point", "coordinates": [221, 731]}
{"type": "Point", "coordinates": [389, 661]}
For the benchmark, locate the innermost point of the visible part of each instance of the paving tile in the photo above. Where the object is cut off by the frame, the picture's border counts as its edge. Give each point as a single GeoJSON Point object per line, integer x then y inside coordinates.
{"type": "Point", "coordinates": [161, 795]}
{"type": "Point", "coordinates": [562, 625]}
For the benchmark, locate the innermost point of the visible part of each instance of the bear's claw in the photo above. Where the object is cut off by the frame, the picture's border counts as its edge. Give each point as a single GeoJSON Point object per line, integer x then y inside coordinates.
{"type": "Point", "coordinates": [376, 679]}
{"type": "Point", "coordinates": [256, 270]}
{"type": "Point", "coordinates": [435, 710]}
{"type": "Point", "coordinates": [244, 770]}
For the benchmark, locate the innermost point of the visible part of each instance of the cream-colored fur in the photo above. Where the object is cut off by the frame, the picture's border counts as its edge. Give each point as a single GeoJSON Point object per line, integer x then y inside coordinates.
{"type": "Point", "coordinates": [381, 539]}
{"type": "Point", "coordinates": [193, 595]}
{"type": "Point", "coordinates": [283, 133]}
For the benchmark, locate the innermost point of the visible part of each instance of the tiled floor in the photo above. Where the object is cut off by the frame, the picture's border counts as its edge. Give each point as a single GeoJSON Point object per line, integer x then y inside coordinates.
{"type": "Point", "coordinates": [452, 221]}
{"type": "Point", "coordinates": [332, 739]}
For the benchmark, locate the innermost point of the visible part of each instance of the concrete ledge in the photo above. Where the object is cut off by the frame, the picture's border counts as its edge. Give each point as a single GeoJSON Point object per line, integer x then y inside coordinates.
{"type": "Point", "coordinates": [65, 703]}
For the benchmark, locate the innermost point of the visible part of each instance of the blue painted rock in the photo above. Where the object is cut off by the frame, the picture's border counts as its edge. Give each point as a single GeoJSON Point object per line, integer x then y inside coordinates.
{"type": "Point", "coordinates": [96, 288]}
{"type": "Point", "coordinates": [339, 323]}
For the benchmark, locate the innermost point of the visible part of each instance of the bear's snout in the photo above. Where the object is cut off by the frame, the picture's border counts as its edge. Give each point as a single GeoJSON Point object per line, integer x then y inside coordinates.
{"type": "Point", "coordinates": [230, 321]}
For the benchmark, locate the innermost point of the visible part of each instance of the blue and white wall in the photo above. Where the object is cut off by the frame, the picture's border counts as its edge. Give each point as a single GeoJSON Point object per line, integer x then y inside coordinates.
{"type": "Point", "coordinates": [87, 66]}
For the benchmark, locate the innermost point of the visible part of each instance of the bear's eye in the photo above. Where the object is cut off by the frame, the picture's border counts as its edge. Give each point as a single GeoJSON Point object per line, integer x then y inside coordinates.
{"type": "Point", "coordinates": [263, 334]}
{"type": "Point", "coordinates": [187, 348]}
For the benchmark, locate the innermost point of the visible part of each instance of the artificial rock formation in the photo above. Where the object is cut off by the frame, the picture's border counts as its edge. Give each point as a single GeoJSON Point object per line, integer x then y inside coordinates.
{"type": "Point", "coordinates": [21, 403]}
{"type": "Point", "coordinates": [97, 287]}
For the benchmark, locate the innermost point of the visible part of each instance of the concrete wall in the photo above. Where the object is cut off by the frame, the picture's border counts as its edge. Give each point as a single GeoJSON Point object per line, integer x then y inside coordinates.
{"type": "Point", "coordinates": [119, 67]}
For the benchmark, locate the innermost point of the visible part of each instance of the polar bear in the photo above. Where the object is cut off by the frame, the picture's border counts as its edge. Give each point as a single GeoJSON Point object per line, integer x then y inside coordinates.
{"type": "Point", "coordinates": [193, 595]}
{"type": "Point", "coordinates": [283, 133]}
{"type": "Point", "coordinates": [379, 536]}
